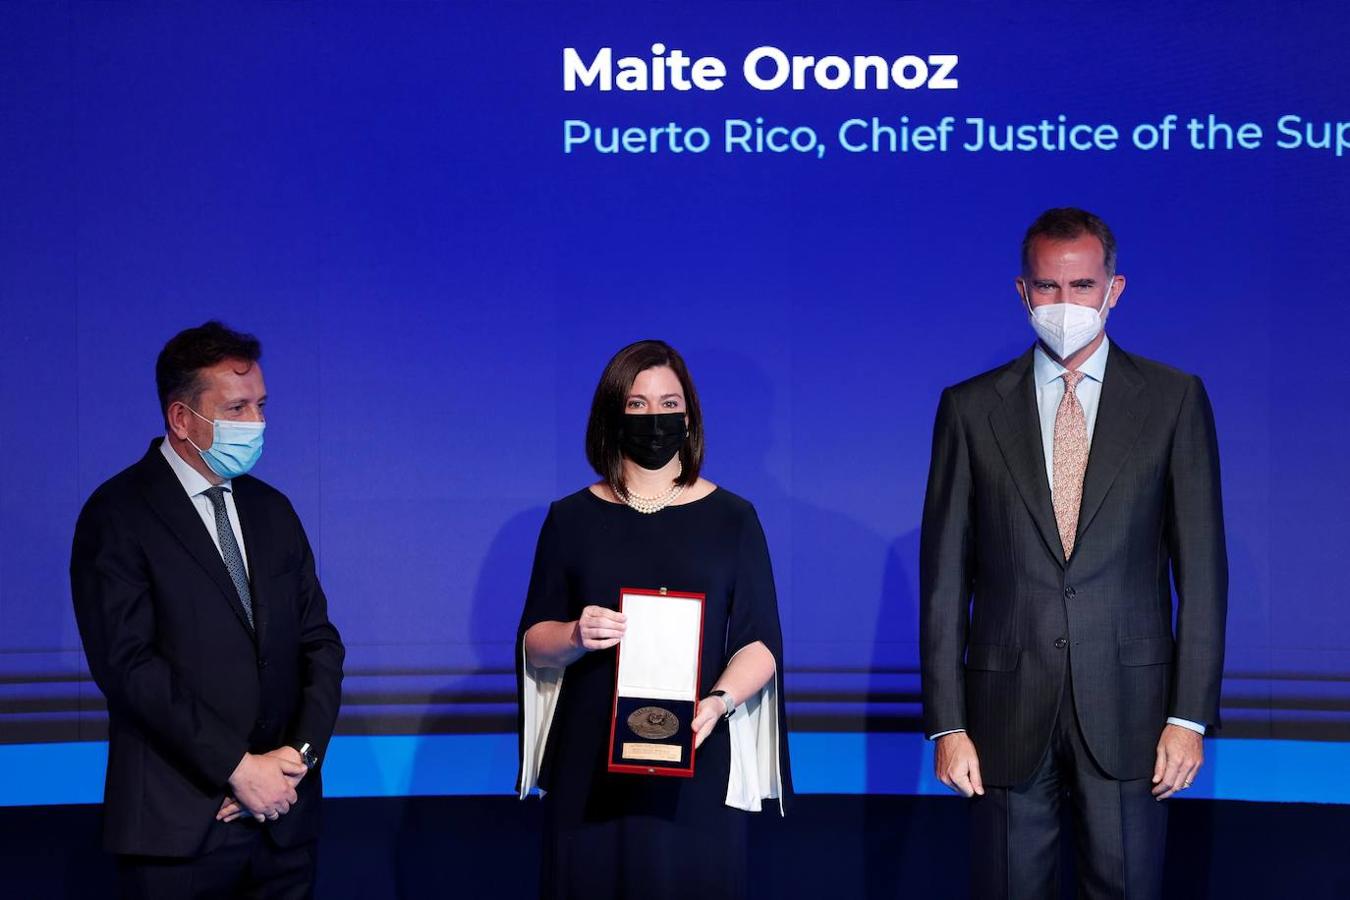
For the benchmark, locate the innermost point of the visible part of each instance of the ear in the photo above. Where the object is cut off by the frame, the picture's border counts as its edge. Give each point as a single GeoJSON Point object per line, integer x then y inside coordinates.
{"type": "Point", "coordinates": [178, 417]}
{"type": "Point", "coordinates": [1117, 288]}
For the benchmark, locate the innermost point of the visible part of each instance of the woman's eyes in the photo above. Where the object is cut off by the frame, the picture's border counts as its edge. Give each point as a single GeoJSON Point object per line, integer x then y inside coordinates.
{"type": "Point", "coordinates": [667, 404]}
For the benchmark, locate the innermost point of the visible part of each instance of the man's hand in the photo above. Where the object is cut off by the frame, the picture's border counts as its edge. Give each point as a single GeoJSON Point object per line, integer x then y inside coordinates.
{"type": "Point", "coordinates": [232, 809]}
{"type": "Point", "coordinates": [1181, 752]}
{"type": "Point", "coordinates": [291, 755]}
{"type": "Point", "coordinates": [265, 785]}
{"type": "Point", "coordinates": [957, 764]}
{"type": "Point", "coordinates": [229, 810]}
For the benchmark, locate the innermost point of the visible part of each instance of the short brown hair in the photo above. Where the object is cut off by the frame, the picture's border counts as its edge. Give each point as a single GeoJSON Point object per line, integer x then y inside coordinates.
{"type": "Point", "coordinates": [1065, 224]}
{"type": "Point", "coordinates": [603, 449]}
{"type": "Point", "coordinates": [178, 369]}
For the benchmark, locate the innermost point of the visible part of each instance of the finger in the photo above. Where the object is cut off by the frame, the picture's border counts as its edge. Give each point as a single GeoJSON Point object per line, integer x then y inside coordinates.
{"type": "Point", "coordinates": [976, 782]}
{"type": "Point", "coordinates": [290, 767]}
{"type": "Point", "coordinates": [1171, 780]}
{"type": "Point", "coordinates": [942, 767]}
{"type": "Point", "coordinates": [260, 817]}
{"type": "Point", "coordinates": [231, 817]}
{"type": "Point", "coordinates": [1176, 772]}
{"type": "Point", "coordinates": [605, 633]}
{"type": "Point", "coordinates": [1160, 764]}
{"type": "Point", "coordinates": [600, 645]}
{"type": "Point", "coordinates": [592, 615]}
{"type": "Point", "coordinates": [961, 781]}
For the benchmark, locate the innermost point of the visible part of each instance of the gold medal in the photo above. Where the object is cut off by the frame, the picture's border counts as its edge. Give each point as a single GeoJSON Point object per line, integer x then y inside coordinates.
{"type": "Point", "coordinates": [653, 723]}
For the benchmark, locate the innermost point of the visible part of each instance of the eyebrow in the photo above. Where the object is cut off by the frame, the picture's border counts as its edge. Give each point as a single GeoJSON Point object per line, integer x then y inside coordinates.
{"type": "Point", "coordinates": [662, 397]}
{"type": "Point", "coordinates": [1050, 282]}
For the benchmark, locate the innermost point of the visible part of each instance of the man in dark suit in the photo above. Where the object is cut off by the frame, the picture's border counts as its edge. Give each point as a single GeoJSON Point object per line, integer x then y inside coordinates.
{"type": "Point", "coordinates": [206, 629]}
{"type": "Point", "coordinates": [1069, 490]}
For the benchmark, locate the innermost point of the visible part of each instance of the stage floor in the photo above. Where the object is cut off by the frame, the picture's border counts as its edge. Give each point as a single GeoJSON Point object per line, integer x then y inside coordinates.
{"type": "Point", "coordinates": [839, 847]}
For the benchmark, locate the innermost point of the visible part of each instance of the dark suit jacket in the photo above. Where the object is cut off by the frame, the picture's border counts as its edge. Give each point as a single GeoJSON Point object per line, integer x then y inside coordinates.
{"type": "Point", "coordinates": [190, 687]}
{"type": "Point", "coordinates": [1002, 614]}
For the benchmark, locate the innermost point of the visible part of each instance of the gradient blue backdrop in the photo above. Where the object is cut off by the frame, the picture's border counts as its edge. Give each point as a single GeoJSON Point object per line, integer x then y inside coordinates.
{"type": "Point", "coordinates": [380, 193]}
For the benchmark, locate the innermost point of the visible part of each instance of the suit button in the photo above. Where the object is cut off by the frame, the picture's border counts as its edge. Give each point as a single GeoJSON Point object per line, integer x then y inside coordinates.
{"type": "Point", "coordinates": [1069, 593]}
{"type": "Point", "coordinates": [262, 662]}
{"type": "Point", "coordinates": [1060, 643]}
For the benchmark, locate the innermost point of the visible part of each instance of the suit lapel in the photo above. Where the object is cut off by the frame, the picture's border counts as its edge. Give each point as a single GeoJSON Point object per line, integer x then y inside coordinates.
{"type": "Point", "coordinates": [171, 503]}
{"type": "Point", "coordinates": [1017, 430]}
{"type": "Point", "coordinates": [1120, 416]}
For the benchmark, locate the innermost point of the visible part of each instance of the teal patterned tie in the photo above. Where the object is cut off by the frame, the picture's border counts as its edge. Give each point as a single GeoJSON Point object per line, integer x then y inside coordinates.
{"type": "Point", "coordinates": [229, 550]}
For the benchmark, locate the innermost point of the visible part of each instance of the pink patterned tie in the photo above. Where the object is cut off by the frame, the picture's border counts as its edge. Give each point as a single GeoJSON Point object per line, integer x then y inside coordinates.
{"type": "Point", "coordinates": [1070, 461]}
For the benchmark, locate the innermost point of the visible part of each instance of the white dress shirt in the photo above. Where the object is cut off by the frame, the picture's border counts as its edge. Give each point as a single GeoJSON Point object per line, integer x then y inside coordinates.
{"type": "Point", "coordinates": [1049, 376]}
{"type": "Point", "coordinates": [196, 485]}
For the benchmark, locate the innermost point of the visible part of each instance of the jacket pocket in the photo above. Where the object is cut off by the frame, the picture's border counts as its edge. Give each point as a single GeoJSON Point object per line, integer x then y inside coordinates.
{"type": "Point", "coordinates": [992, 657]}
{"type": "Point", "coordinates": [1149, 651]}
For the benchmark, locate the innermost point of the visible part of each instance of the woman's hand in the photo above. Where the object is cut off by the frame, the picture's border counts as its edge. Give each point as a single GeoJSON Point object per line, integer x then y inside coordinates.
{"type": "Point", "coordinates": [599, 628]}
{"type": "Point", "coordinates": [710, 709]}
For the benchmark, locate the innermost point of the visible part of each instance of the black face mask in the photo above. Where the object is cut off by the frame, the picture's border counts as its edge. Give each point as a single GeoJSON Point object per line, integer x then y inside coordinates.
{"type": "Point", "coordinates": [652, 440]}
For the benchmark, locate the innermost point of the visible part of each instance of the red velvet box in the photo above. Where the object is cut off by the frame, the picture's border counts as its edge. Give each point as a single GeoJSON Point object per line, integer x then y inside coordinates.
{"type": "Point", "coordinates": [656, 679]}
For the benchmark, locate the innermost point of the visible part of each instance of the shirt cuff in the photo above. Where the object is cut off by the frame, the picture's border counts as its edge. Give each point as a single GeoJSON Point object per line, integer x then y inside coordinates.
{"type": "Point", "coordinates": [934, 737]}
{"type": "Point", "coordinates": [1186, 723]}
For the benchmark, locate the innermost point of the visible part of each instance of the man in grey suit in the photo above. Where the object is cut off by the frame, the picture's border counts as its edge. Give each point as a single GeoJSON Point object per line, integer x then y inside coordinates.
{"type": "Point", "coordinates": [1069, 491]}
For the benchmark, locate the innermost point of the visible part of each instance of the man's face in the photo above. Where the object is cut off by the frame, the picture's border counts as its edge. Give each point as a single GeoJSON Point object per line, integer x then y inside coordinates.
{"type": "Point", "coordinates": [233, 390]}
{"type": "Point", "coordinates": [1072, 271]}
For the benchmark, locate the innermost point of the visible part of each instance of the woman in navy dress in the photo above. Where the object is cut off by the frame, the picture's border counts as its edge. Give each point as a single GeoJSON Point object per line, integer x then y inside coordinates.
{"type": "Point", "coordinates": [650, 521]}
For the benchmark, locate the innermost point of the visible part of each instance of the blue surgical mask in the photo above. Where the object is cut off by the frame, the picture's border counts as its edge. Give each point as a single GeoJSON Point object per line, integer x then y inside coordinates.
{"type": "Point", "coordinates": [235, 446]}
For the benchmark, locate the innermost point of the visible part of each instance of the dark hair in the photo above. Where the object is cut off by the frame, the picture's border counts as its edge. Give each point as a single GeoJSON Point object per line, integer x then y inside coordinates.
{"type": "Point", "coordinates": [178, 368]}
{"type": "Point", "coordinates": [1065, 224]}
{"type": "Point", "coordinates": [607, 411]}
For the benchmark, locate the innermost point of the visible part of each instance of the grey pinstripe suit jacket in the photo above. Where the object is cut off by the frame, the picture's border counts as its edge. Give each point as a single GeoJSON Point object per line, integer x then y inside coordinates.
{"type": "Point", "coordinates": [1002, 614]}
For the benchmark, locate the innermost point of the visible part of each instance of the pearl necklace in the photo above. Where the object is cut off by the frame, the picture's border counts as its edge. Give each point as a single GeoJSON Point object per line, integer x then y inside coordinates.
{"type": "Point", "coordinates": [649, 505]}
